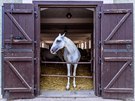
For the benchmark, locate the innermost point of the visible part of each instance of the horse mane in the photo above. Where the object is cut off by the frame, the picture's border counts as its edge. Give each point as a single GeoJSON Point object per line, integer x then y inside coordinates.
{"type": "Point", "coordinates": [71, 47]}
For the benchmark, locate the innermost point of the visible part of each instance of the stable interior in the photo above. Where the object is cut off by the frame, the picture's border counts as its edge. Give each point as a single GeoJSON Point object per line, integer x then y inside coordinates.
{"type": "Point", "coordinates": [78, 24]}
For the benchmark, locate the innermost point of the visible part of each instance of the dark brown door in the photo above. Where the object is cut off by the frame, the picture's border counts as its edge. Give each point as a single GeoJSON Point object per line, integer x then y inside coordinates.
{"type": "Point", "coordinates": [117, 50]}
{"type": "Point", "coordinates": [18, 51]}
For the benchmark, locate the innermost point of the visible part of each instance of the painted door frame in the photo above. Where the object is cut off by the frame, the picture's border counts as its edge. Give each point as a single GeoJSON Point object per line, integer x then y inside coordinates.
{"type": "Point", "coordinates": [97, 36]}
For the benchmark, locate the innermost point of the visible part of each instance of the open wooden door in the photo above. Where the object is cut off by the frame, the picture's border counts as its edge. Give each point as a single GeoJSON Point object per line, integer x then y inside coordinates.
{"type": "Point", "coordinates": [18, 51]}
{"type": "Point", "coordinates": [117, 50]}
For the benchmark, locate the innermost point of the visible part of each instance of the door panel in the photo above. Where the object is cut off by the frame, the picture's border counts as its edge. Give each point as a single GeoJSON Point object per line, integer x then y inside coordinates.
{"type": "Point", "coordinates": [18, 51]}
{"type": "Point", "coordinates": [117, 50]}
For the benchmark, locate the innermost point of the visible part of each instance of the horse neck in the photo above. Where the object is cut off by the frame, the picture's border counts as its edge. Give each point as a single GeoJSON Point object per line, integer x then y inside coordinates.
{"type": "Point", "coordinates": [69, 45]}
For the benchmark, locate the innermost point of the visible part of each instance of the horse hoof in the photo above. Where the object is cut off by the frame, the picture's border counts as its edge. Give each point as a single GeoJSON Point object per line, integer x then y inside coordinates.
{"type": "Point", "coordinates": [74, 86]}
{"type": "Point", "coordinates": [67, 88]}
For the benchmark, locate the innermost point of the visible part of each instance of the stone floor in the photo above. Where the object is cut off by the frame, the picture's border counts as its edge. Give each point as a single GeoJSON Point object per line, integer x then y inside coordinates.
{"type": "Point", "coordinates": [67, 96]}
{"type": "Point", "coordinates": [68, 99]}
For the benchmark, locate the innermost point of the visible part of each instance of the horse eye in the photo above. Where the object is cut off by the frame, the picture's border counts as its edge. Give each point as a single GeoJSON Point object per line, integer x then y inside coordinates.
{"type": "Point", "coordinates": [58, 41]}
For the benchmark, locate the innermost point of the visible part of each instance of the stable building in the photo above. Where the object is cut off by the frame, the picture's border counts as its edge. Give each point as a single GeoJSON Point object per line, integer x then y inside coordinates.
{"type": "Point", "coordinates": [103, 32]}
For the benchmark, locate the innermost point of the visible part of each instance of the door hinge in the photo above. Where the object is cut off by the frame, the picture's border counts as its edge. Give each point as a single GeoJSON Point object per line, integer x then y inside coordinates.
{"type": "Point", "coordinates": [99, 88]}
{"type": "Point", "coordinates": [35, 59]}
{"type": "Point", "coordinates": [35, 14]}
{"type": "Point", "coordinates": [99, 15]}
{"type": "Point", "coordinates": [99, 44]}
{"type": "Point", "coordinates": [99, 60]}
{"type": "Point", "coordinates": [35, 42]}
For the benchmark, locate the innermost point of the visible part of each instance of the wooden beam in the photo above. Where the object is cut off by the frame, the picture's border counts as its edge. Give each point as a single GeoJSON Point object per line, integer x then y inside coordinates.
{"type": "Point", "coordinates": [69, 31]}
{"type": "Point", "coordinates": [66, 21]}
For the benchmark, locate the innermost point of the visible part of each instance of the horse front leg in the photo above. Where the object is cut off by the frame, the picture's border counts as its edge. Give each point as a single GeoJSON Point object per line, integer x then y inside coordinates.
{"type": "Point", "coordinates": [68, 74]}
{"type": "Point", "coordinates": [74, 74]}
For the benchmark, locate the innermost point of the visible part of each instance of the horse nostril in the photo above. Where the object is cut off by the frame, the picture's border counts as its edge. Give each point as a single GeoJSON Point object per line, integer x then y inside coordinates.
{"type": "Point", "coordinates": [52, 50]}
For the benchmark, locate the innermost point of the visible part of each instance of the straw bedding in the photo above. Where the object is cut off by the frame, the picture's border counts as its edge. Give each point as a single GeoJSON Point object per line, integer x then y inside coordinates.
{"type": "Point", "coordinates": [59, 83]}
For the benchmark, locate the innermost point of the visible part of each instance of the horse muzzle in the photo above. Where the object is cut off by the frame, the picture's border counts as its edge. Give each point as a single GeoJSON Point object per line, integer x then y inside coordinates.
{"type": "Point", "coordinates": [53, 50]}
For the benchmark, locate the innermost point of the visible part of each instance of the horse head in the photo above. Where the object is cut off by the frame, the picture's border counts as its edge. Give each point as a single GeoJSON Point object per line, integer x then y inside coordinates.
{"type": "Point", "coordinates": [58, 44]}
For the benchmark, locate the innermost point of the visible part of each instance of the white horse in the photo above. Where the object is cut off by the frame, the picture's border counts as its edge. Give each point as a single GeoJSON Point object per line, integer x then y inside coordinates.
{"type": "Point", "coordinates": [71, 54]}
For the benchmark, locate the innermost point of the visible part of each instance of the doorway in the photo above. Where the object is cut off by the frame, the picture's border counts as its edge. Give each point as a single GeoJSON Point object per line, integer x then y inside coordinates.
{"type": "Point", "coordinates": [80, 26]}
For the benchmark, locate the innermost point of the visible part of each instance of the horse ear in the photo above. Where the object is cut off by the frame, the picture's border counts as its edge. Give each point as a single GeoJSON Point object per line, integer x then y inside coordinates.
{"type": "Point", "coordinates": [63, 35]}
{"type": "Point", "coordinates": [59, 34]}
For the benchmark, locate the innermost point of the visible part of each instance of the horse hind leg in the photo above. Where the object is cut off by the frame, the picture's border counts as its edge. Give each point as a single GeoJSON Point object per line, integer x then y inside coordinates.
{"type": "Point", "coordinates": [68, 74]}
{"type": "Point", "coordinates": [74, 74]}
